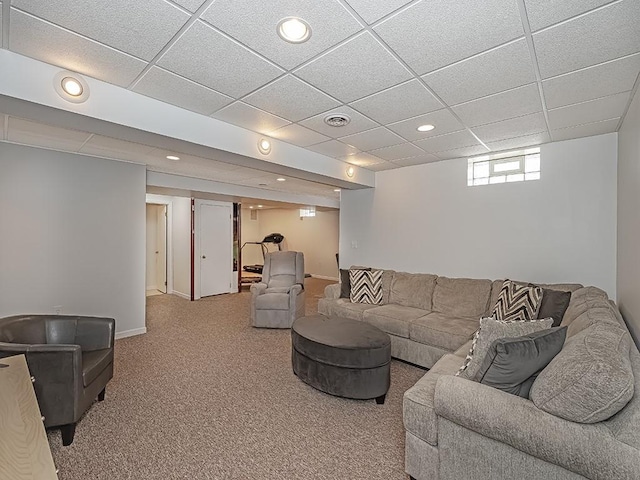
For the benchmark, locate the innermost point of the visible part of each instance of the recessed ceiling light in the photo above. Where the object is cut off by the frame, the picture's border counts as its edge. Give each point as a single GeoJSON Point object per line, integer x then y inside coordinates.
{"type": "Point", "coordinates": [172, 157]}
{"type": "Point", "coordinates": [71, 86]}
{"type": "Point", "coordinates": [294, 30]}
{"type": "Point", "coordinates": [350, 171]}
{"type": "Point", "coordinates": [336, 189]}
{"type": "Point", "coordinates": [250, 206]}
{"type": "Point", "coordinates": [264, 146]}
{"type": "Point", "coordinates": [425, 128]}
{"type": "Point", "coordinates": [281, 179]}
{"type": "Point", "coordinates": [259, 206]}
{"type": "Point", "coordinates": [337, 119]}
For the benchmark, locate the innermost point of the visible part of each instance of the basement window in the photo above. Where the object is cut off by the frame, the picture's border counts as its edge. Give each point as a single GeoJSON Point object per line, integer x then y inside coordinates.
{"type": "Point", "coordinates": [308, 212]}
{"type": "Point", "coordinates": [507, 167]}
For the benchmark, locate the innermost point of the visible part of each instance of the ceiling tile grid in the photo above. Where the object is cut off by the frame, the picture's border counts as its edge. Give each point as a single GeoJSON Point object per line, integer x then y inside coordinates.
{"type": "Point", "coordinates": [467, 67]}
{"type": "Point", "coordinates": [171, 88]}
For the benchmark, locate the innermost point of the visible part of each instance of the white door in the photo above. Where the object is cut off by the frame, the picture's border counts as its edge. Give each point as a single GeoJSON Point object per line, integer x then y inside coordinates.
{"type": "Point", "coordinates": [215, 249]}
{"type": "Point", "coordinates": [161, 248]}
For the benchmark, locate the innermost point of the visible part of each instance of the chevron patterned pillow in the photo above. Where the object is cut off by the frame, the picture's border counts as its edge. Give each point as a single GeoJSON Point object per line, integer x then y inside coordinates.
{"type": "Point", "coordinates": [517, 302]}
{"type": "Point", "coordinates": [366, 286]}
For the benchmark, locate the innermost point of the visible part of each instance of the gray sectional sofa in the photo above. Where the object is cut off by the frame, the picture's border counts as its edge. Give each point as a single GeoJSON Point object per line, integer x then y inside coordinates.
{"type": "Point", "coordinates": [460, 429]}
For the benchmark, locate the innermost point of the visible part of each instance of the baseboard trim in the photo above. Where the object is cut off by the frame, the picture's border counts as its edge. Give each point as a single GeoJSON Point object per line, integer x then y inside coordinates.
{"type": "Point", "coordinates": [131, 333]}
{"type": "Point", "coordinates": [324, 277]}
{"type": "Point", "coordinates": [181, 295]}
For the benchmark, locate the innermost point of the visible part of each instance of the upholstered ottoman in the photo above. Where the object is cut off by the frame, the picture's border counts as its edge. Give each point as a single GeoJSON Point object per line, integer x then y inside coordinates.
{"type": "Point", "coordinates": [343, 357]}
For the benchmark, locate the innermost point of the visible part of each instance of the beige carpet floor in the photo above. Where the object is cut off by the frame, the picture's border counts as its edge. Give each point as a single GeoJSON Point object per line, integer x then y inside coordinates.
{"type": "Point", "coordinates": [204, 396]}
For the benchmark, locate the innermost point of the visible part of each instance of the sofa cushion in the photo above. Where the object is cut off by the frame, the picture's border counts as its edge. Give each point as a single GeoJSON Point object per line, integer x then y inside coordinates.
{"type": "Point", "coordinates": [512, 364]}
{"type": "Point", "coordinates": [461, 297]}
{"type": "Point", "coordinates": [366, 286]}
{"type": "Point", "coordinates": [419, 417]}
{"type": "Point", "coordinates": [491, 330]}
{"type": "Point", "coordinates": [272, 301]}
{"type": "Point", "coordinates": [412, 289]}
{"type": "Point", "coordinates": [393, 319]}
{"type": "Point", "coordinates": [345, 308]}
{"type": "Point", "coordinates": [595, 315]}
{"type": "Point", "coordinates": [590, 379]}
{"type": "Point", "coordinates": [93, 363]}
{"type": "Point", "coordinates": [517, 302]}
{"type": "Point", "coordinates": [553, 305]}
{"type": "Point", "coordinates": [582, 300]}
{"type": "Point", "coordinates": [442, 331]}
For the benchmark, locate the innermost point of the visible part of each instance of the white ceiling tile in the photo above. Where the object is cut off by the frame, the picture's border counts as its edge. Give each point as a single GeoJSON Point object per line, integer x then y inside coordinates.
{"type": "Point", "coordinates": [492, 72]}
{"type": "Point", "coordinates": [249, 117]}
{"type": "Point", "coordinates": [374, 11]}
{"type": "Point", "coordinates": [585, 130]}
{"type": "Point", "coordinates": [396, 152]}
{"type": "Point", "coordinates": [430, 35]}
{"type": "Point", "coordinates": [542, 13]}
{"type": "Point", "coordinates": [419, 160]}
{"type": "Point", "coordinates": [593, 82]}
{"type": "Point", "coordinates": [138, 28]}
{"type": "Point", "coordinates": [605, 34]}
{"type": "Point", "coordinates": [334, 148]}
{"type": "Point", "coordinates": [45, 42]}
{"type": "Point", "coordinates": [398, 103]}
{"type": "Point", "coordinates": [191, 5]}
{"type": "Point", "coordinates": [372, 139]}
{"type": "Point", "coordinates": [501, 106]}
{"type": "Point", "coordinates": [298, 135]}
{"type": "Point", "coordinates": [255, 23]}
{"type": "Point", "coordinates": [40, 135]}
{"type": "Point", "coordinates": [229, 68]}
{"type": "Point", "coordinates": [170, 88]}
{"type": "Point", "coordinates": [358, 123]}
{"type": "Point", "coordinates": [589, 112]}
{"type": "Point", "coordinates": [380, 167]}
{"type": "Point", "coordinates": [519, 142]}
{"type": "Point", "coordinates": [463, 138]}
{"type": "Point", "coordinates": [443, 120]}
{"type": "Point", "coordinates": [462, 152]}
{"type": "Point", "coordinates": [291, 98]}
{"type": "Point", "coordinates": [119, 149]}
{"type": "Point", "coordinates": [355, 69]}
{"type": "Point", "coordinates": [514, 127]}
{"type": "Point", "coordinates": [362, 159]}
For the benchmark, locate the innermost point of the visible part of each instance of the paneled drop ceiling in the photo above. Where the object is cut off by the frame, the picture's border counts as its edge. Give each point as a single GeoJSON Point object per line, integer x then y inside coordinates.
{"type": "Point", "coordinates": [489, 75]}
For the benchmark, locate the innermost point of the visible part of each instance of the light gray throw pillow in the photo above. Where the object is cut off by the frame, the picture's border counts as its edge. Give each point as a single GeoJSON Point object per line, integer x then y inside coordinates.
{"type": "Point", "coordinates": [590, 379]}
{"type": "Point", "coordinates": [491, 330]}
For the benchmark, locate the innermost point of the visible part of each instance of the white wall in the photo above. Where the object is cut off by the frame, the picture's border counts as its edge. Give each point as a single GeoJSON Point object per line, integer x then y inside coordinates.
{"type": "Point", "coordinates": [250, 232]}
{"type": "Point", "coordinates": [317, 237]}
{"type": "Point", "coordinates": [73, 234]}
{"type": "Point", "coordinates": [152, 246]}
{"type": "Point", "coordinates": [629, 218]}
{"type": "Point", "coordinates": [181, 251]}
{"type": "Point", "coordinates": [425, 219]}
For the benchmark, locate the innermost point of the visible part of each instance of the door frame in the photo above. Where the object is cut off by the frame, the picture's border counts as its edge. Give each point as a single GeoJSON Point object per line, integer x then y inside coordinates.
{"type": "Point", "coordinates": [163, 200]}
{"type": "Point", "coordinates": [233, 288]}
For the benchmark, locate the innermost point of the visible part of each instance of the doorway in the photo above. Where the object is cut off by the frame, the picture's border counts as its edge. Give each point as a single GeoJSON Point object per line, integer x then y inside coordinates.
{"type": "Point", "coordinates": [156, 271]}
{"type": "Point", "coordinates": [214, 248]}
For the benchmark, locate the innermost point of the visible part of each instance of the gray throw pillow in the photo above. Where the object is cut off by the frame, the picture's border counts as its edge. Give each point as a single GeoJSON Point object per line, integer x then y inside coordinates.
{"type": "Point", "coordinates": [491, 330]}
{"type": "Point", "coordinates": [512, 364]}
{"type": "Point", "coordinates": [554, 303]}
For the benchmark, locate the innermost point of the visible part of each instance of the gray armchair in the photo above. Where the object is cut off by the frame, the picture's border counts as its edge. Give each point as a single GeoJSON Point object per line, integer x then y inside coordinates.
{"type": "Point", "coordinates": [70, 357]}
{"type": "Point", "coordinates": [279, 299]}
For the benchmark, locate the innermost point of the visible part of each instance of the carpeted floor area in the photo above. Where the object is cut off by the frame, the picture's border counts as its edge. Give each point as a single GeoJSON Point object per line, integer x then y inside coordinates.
{"type": "Point", "coordinates": [204, 396]}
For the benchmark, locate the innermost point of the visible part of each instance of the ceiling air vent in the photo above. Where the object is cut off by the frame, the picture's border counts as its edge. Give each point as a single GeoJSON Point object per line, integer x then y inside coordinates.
{"type": "Point", "coordinates": [337, 119]}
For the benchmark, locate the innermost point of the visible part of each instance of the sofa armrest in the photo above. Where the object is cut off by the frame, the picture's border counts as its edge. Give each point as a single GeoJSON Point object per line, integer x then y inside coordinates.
{"type": "Point", "coordinates": [95, 333]}
{"type": "Point", "coordinates": [587, 449]}
{"type": "Point", "coordinates": [257, 289]}
{"type": "Point", "coordinates": [332, 291]}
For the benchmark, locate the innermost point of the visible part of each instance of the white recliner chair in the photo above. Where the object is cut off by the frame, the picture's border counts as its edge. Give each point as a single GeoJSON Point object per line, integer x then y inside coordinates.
{"type": "Point", "coordinates": [279, 298]}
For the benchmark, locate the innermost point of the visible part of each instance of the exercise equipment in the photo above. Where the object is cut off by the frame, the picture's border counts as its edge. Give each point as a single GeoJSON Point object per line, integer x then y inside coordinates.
{"type": "Point", "coordinates": [271, 239]}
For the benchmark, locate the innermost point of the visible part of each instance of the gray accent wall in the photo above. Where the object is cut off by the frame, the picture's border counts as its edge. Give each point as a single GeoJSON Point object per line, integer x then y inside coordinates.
{"type": "Point", "coordinates": [629, 218]}
{"type": "Point", "coordinates": [561, 228]}
{"type": "Point", "coordinates": [72, 235]}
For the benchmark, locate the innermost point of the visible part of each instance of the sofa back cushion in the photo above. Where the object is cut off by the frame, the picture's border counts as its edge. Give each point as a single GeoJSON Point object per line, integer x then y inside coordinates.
{"type": "Point", "coordinates": [461, 297]}
{"type": "Point", "coordinates": [582, 300]}
{"type": "Point", "coordinates": [412, 289]}
{"type": "Point", "coordinates": [591, 379]}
